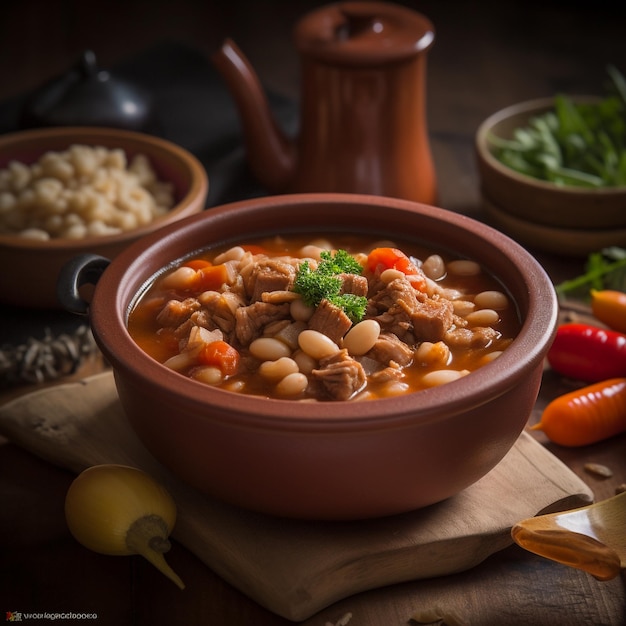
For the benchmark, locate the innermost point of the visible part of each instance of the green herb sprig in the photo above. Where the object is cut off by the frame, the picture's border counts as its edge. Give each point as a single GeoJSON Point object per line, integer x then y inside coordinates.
{"type": "Point", "coordinates": [605, 269]}
{"type": "Point", "coordinates": [315, 285]}
{"type": "Point", "coordinates": [575, 144]}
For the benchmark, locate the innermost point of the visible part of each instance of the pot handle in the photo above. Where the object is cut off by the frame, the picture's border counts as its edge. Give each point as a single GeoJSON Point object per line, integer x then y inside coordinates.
{"type": "Point", "coordinates": [82, 270]}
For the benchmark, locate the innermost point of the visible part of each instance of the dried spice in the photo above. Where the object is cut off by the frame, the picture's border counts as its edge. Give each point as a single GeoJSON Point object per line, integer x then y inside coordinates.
{"type": "Point", "coordinates": [437, 616]}
{"type": "Point", "coordinates": [598, 470]}
{"type": "Point", "coordinates": [343, 621]}
{"type": "Point", "coordinates": [50, 358]}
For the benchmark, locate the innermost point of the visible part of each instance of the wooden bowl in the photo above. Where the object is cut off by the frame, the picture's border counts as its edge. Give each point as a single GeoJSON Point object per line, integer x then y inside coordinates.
{"type": "Point", "coordinates": [535, 201]}
{"type": "Point", "coordinates": [31, 267]}
{"type": "Point", "coordinates": [338, 459]}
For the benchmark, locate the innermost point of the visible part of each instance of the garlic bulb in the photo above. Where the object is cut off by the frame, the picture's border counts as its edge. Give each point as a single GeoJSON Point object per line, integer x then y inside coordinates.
{"type": "Point", "coordinates": [120, 510]}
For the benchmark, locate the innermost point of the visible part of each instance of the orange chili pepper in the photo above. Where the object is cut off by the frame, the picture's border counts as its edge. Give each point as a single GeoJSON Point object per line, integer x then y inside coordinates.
{"type": "Point", "coordinates": [609, 307]}
{"type": "Point", "coordinates": [587, 415]}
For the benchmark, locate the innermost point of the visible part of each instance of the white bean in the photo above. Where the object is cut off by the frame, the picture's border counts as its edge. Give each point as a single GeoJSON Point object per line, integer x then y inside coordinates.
{"type": "Point", "coordinates": [292, 384]}
{"type": "Point", "coordinates": [208, 375]}
{"type": "Point", "coordinates": [236, 386]}
{"type": "Point", "coordinates": [463, 267]}
{"type": "Point", "coordinates": [441, 377]}
{"type": "Point", "coordinates": [306, 363]}
{"type": "Point", "coordinates": [391, 274]}
{"type": "Point", "coordinates": [434, 267]}
{"type": "Point", "coordinates": [483, 317]}
{"type": "Point", "coordinates": [314, 249]}
{"type": "Point", "coordinates": [491, 300]}
{"type": "Point", "coordinates": [362, 337]}
{"type": "Point", "coordinates": [395, 388]}
{"type": "Point", "coordinates": [463, 307]}
{"type": "Point", "coordinates": [180, 278]}
{"type": "Point", "coordinates": [491, 356]}
{"type": "Point", "coordinates": [300, 311]}
{"type": "Point", "coordinates": [276, 370]}
{"type": "Point", "coordinates": [232, 254]}
{"type": "Point", "coordinates": [269, 349]}
{"type": "Point", "coordinates": [316, 344]}
{"type": "Point", "coordinates": [179, 362]}
{"type": "Point", "coordinates": [429, 353]}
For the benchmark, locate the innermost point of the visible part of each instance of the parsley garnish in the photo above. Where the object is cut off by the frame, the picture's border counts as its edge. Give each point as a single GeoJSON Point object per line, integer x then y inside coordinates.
{"type": "Point", "coordinates": [605, 269]}
{"type": "Point", "coordinates": [324, 283]}
{"type": "Point", "coordinates": [340, 263]}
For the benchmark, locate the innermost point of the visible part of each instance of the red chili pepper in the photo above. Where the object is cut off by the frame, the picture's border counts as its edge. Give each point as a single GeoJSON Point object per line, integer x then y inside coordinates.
{"type": "Point", "coordinates": [588, 353]}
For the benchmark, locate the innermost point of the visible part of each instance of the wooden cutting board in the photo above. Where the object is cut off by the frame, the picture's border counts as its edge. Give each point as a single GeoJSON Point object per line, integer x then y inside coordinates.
{"type": "Point", "coordinates": [296, 568]}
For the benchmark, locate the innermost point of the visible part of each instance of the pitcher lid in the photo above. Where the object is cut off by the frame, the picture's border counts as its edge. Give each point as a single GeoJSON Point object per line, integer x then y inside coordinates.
{"type": "Point", "coordinates": [363, 33]}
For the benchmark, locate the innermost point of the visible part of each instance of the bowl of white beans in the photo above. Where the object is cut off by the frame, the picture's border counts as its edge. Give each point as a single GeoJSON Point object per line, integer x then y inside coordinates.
{"type": "Point", "coordinates": [323, 356]}
{"type": "Point", "coordinates": [71, 190]}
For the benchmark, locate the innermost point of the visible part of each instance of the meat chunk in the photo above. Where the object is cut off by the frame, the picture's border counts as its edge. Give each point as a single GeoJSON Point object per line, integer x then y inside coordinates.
{"type": "Point", "coordinates": [397, 321]}
{"type": "Point", "coordinates": [432, 318]}
{"type": "Point", "coordinates": [218, 311]}
{"type": "Point", "coordinates": [389, 373]}
{"type": "Point", "coordinates": [411, 315]}
{"type": "Point", "coordinates": [391, 295]}
{"type": "Point", "coordinates": [389, 349]}
{"type": "Point", "coordinates": [354, 284]}
{"type": "Point", "coordinates": [176, 312]}
{"type": "Point", "coordinates": [340, 376]}
{"type": "Point", "coordinates": [276, 297]}
{"type": "Point", "coordinates": [250, 320]}
{"type": "Point", "coordinates": [269, 275]}
{"type": "Point", "coordinates": [330, 320]}
{"type": "Point", "coordinates": [471, 338]}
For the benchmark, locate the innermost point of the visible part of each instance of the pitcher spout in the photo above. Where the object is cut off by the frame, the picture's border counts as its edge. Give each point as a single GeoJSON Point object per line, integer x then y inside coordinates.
{"type": "Point", "coordinates": [271, 154]}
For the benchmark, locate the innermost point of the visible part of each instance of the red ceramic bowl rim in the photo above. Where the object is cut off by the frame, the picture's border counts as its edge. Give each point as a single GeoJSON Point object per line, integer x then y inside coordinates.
{"type": "Point", "coordinates": [198, 176]}
{"type": "Point", "coordinates": [532, 107]}
{"type": "Point", "coordinates": [110, 305]}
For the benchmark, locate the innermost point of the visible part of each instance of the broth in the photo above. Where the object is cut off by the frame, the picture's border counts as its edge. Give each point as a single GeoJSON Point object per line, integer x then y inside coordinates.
{"type": "Point", "coordinates": [233, 318]}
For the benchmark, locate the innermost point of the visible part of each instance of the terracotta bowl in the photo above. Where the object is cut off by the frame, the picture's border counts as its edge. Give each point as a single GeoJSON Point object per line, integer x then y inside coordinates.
{"type": "Point", "coordinates": [556, 218]}
{"type": "Point", "coordinates": [332, 460]}
{"type": "Point", "coordinates": [37, 263]}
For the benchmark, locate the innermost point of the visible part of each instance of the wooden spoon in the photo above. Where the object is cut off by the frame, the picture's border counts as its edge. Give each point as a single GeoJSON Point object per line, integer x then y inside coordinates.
{"type": "Point", "coordinates": [591, 538]}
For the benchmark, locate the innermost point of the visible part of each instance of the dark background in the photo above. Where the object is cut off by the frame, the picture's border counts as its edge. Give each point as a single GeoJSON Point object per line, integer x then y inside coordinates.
{"type": "Point", "coordinates": [487, 54]}
{"type": "Point", "coordinates": [40, 38]}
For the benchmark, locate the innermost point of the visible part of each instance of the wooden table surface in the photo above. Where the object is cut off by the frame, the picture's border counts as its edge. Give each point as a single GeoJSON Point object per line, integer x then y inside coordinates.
{"type": "Point", "coordinates": [486, 55]}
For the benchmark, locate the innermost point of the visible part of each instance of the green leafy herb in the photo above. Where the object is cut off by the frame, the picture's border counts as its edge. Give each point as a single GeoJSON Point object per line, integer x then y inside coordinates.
{"type": "Point", "coordinates": [576, 144]}
{"type": "Point", "coordinates": [605, 269]}
{"type": "Point", "coordinates": [315, 285]}
{"type": "Point", "coordinates": [340, 263]}
{"type": "Point", "coordinates": [353, 306]}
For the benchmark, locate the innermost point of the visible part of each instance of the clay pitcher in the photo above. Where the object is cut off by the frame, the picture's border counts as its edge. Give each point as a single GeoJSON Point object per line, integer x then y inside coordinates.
{"type": "Point", "coordinates": [362, 105]}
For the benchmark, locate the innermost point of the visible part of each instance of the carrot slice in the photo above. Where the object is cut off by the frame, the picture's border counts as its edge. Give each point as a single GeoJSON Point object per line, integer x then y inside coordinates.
{"type": "Point", "coordinates": [211, 278]}
{"type": "Point", "coordinates": [381, 259]}
{"type": "Point", "coordinates": [221, 355]}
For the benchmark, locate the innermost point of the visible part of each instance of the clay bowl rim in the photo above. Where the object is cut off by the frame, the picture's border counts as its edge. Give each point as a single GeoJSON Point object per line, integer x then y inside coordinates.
{"type": "Point", "coordinates": [528, 109]}
{"type": "Point", "coordinates": [184, 206]}
{"type": "Point", "coordinates": [114, 297]}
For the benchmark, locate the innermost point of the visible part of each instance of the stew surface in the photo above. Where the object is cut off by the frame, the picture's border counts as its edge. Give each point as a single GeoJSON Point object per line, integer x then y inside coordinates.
{"type": "Point", "coordinates": [318, 319]}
